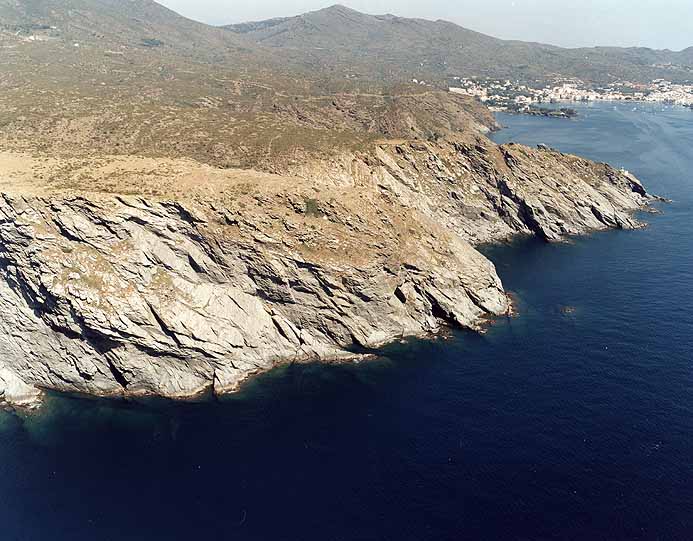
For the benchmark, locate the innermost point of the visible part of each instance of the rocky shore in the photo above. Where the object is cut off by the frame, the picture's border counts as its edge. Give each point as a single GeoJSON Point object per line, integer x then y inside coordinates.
{"type": "Point", "coordinates": [123, 292]}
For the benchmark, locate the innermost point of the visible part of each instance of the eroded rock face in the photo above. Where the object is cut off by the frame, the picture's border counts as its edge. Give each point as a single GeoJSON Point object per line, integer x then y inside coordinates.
{"type": "Point", "coordinates": [484, 192]}
{"type": "Point", "coordinates": [125, 295]}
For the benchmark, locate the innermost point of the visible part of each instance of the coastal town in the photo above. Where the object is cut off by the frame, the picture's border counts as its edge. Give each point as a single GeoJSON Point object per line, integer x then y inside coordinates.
{"type": "Point", "coordinates": [515, 96]}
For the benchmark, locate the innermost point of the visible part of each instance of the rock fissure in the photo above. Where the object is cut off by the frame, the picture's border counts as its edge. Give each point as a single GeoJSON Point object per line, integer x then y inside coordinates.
{"type": "Point", "coordinates": [130, 295]}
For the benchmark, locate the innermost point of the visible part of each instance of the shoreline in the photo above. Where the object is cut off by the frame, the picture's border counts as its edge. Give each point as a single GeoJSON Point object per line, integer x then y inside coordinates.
{"type": "Point", "coordinates": [446, 280]}
{"type": "Point", "coordinates": [36, 406]}
{"type": "Point", "coordinates": [209, 394]}
{"type": "Point", "coordinates": [585, 104]}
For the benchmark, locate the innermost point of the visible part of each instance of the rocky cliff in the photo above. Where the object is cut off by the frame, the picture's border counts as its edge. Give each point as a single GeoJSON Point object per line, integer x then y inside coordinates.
{"type": "Point", "coordinates": [134, 276]}
{"type": "Point", "coordinates": [182, 206]}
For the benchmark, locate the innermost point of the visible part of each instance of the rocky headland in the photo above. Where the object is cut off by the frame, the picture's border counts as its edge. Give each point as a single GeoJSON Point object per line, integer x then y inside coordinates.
{"type": "Point", "coordinates": [181, 208]}
{"type": "Point", "coordinates": [109, 290]}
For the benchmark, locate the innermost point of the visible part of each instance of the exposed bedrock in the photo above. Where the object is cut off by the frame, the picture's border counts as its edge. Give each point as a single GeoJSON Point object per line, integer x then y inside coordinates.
{"type": "Point", "coordinates": [127, 295]}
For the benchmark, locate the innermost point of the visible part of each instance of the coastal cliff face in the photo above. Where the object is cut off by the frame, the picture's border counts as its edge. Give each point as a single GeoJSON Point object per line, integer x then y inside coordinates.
{"type": "Point", "coordinates": [113, 287]}
{"type": "Point", "coordinates": [182, 206]}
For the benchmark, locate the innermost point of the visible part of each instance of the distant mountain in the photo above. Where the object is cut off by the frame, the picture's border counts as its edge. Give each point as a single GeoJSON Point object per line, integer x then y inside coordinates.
{"type": "Point", "coordinates": [336, 45]}
{"type": "Point", "coordinates": [133, 77]}
{"type": "Point", "coordinates": [685, 56]}
{"type": "Point", "coordinates": [141, 24]}
{"type": "Point", "coordinates": [340, 39]}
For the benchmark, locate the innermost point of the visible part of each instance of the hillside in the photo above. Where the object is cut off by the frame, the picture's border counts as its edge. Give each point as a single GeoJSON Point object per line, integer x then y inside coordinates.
{"type": "Point", "coordinates": [350, 43]}
{"type": "Point", "coordinates": [107, 76]}
{"type": "Point", "coordinates": [120, 23]}
{"type": "Point", "coordinates": [116, 77]}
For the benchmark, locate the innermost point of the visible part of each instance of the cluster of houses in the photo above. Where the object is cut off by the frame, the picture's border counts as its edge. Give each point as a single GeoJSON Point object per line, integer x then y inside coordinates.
{"type": "Point", "coordinates": [506, 95]}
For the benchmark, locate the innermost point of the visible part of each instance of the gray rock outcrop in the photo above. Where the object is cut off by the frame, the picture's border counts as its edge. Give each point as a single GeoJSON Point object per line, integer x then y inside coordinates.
{"type": "Point", "coordinates": [113, 294]}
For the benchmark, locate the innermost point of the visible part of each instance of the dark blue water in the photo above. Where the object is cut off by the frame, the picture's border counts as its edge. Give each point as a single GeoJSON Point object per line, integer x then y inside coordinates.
{"type": "Point", "coordinates": [573, 420]}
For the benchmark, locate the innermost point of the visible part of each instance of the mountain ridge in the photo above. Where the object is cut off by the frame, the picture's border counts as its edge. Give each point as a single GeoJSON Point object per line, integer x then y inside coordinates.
{"type": "Point", "coordinates": [136, 23]}
{"type": "Point", "coordinates": [342, 9]}
{"type": "Point", "coordinates": [344, 39]}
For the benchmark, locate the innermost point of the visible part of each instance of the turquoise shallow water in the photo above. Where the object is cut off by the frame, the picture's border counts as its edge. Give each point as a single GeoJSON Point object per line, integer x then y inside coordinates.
{"type": "Point", "coordinates": [573, 420]}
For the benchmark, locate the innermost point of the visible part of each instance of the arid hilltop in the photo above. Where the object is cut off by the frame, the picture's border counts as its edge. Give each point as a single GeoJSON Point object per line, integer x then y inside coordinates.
{"type": "Point", "coordinates": [183, 206]}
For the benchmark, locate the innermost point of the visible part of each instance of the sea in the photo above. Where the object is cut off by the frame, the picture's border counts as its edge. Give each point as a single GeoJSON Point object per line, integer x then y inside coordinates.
{"type": "Point", "coordinates": [572, 420]}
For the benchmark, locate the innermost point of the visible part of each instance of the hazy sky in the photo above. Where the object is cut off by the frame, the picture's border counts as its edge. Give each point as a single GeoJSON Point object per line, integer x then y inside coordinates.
{"type": "Point", "coordinates": [652, 23]}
